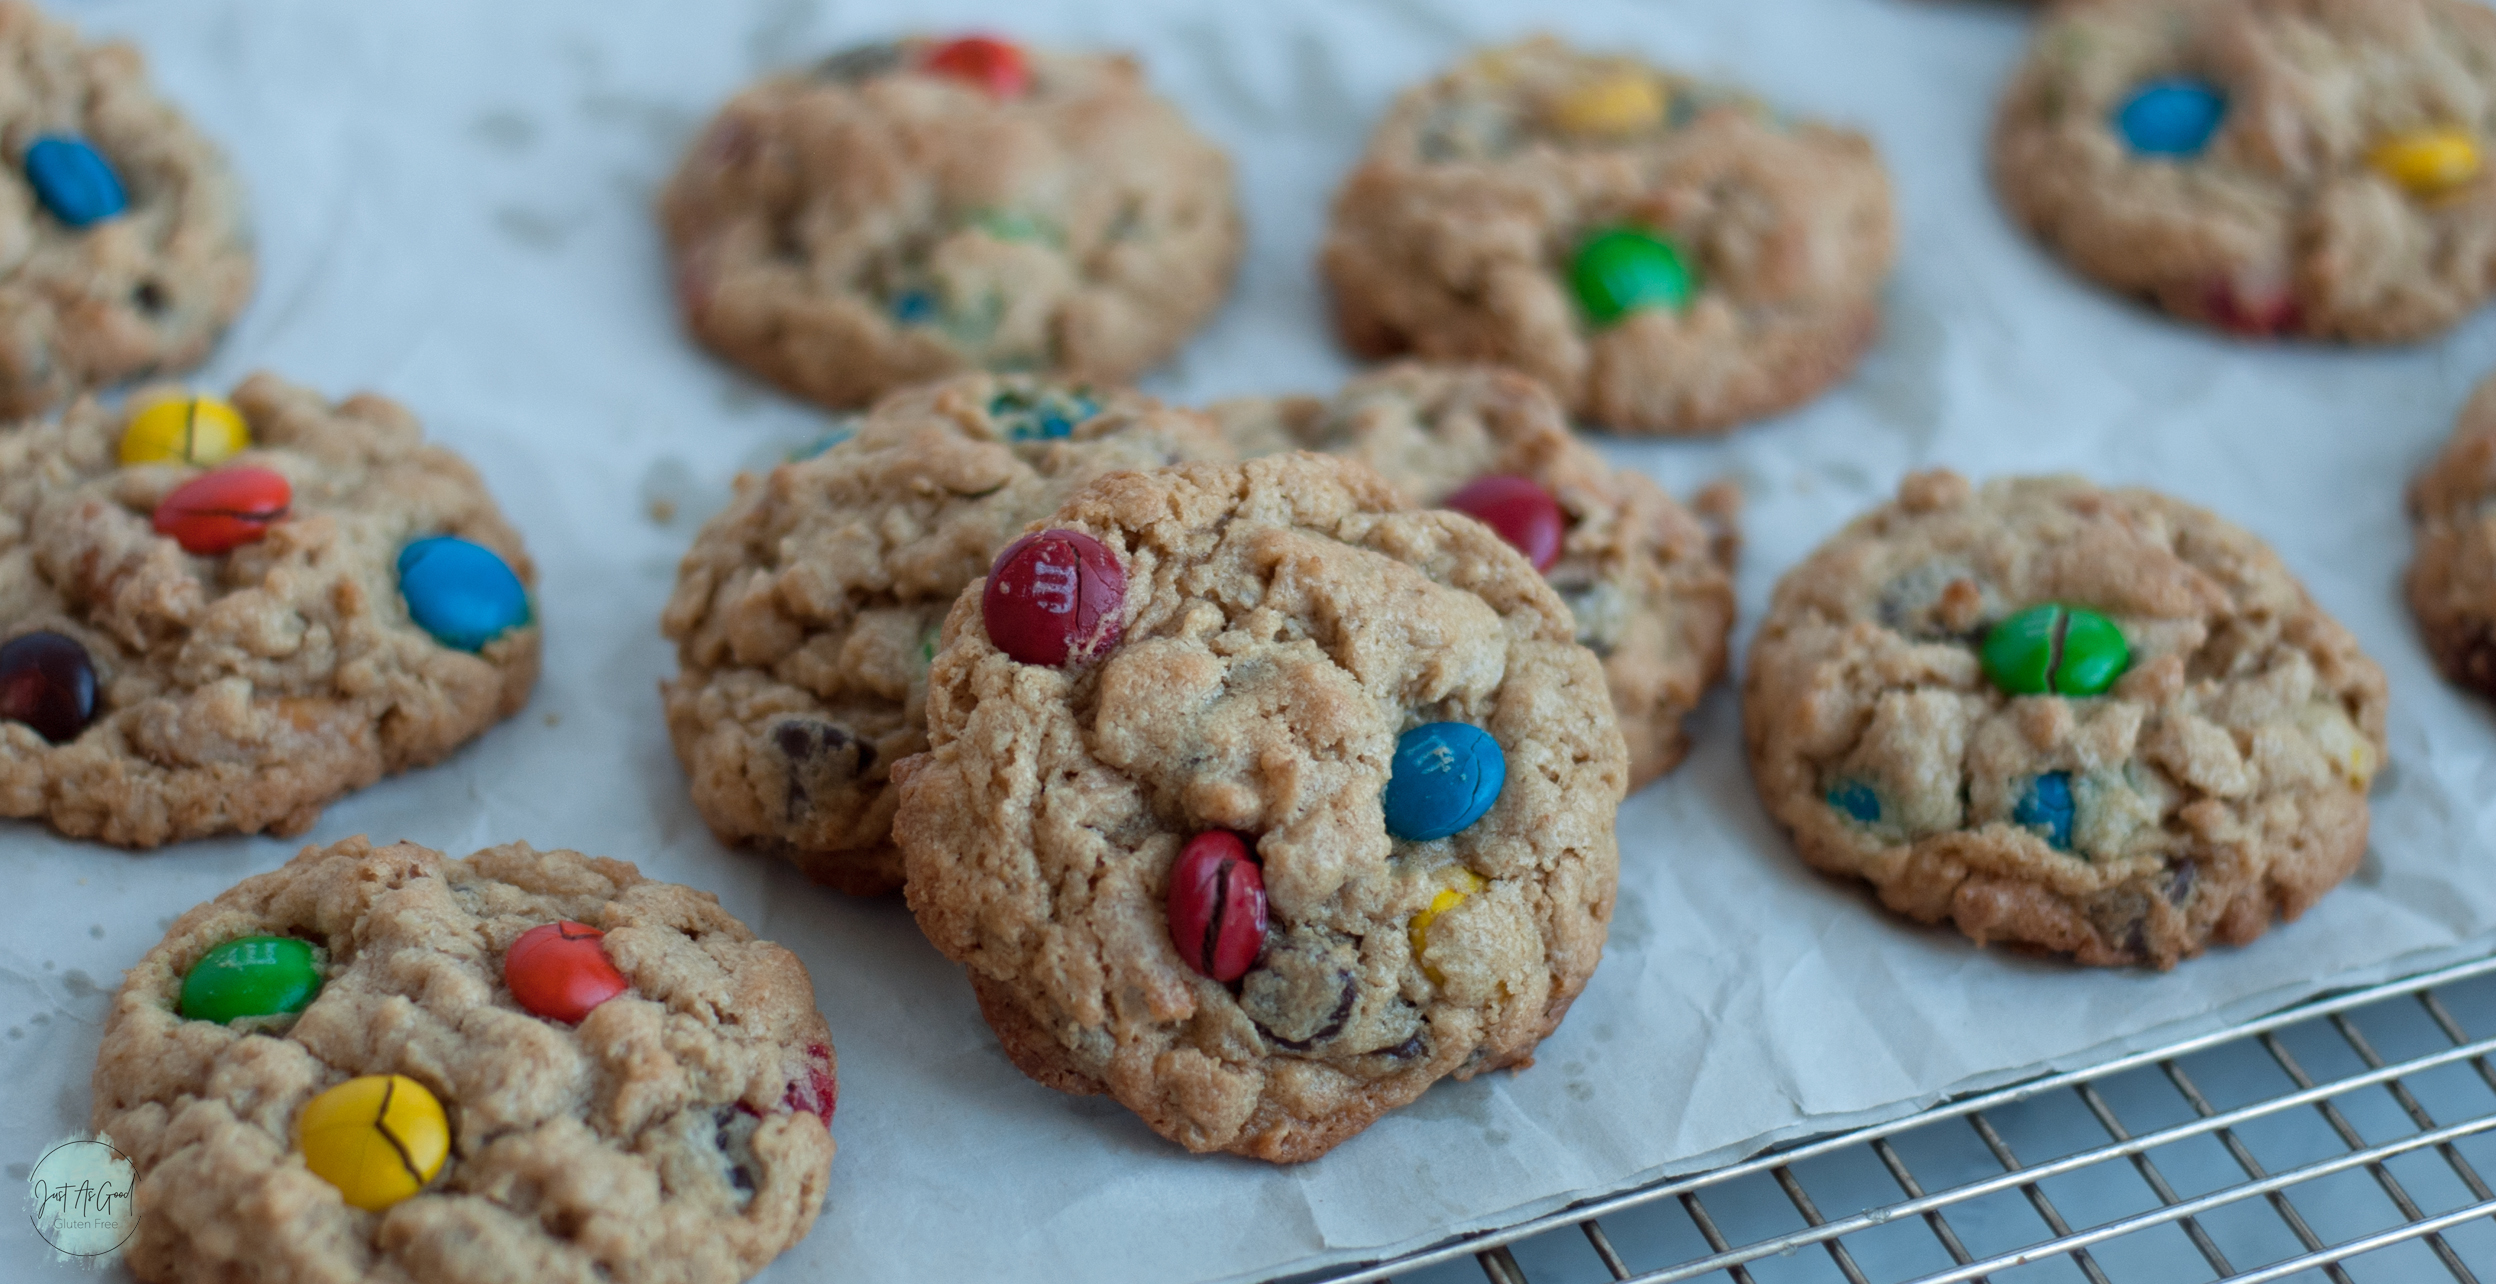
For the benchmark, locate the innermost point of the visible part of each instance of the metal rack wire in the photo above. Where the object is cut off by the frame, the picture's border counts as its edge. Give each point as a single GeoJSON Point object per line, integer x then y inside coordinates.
{"type": "Point", "coordinates": [2343, 1139]}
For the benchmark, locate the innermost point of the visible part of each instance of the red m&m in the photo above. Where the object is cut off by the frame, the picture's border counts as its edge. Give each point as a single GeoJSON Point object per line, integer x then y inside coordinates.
{"type": "Point", "coordinates": [560, 971]}
{"type": "Point", "coordinates": [1217, 905]}
{"type": "Point", "coordinates": [1522, 512]}
{"type": "Point", "coordinates": [985, 61]}
{"type": "Point", "coordinates": [48, 683]}
{"type": "Point", "coordinates": [222, 511]}
{"type": "Point", "coordinates": [819, 1089]}
{"type": "Point", "coordinates": [1054, 598]}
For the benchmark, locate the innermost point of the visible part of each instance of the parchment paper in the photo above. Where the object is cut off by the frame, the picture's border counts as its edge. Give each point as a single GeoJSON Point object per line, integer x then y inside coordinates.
{"type": "Point", "coordinates": [453, 199]}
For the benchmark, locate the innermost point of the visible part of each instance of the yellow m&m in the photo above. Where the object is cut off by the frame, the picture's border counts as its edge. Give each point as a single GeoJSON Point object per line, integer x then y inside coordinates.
{"type": "Point", "coordinates": [378, 1139]}
{"type": "Point", "coordinates": [1456, 884]}
{"type": "Point", "coordinates": [2430, 162]}
{"type": "Point", "coordinates": [185, 430]}
{"type": "Point", "coordinates": [1625, 103]}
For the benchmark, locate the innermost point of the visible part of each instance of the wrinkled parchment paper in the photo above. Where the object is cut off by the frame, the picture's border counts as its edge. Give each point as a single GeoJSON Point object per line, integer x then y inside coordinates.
{"type": "Point", "coordinates": [453, 202]}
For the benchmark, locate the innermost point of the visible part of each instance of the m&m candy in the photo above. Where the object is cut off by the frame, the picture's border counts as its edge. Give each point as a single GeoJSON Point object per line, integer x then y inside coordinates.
{"type": "Point", "coordinates": [1045, 415]}
{"type": "Point", "coordinates": [1624, 270]}
{"type": "Point", "coordinates": [462, 593]}
{"type": "Point", "coordinates": [1053, 598]}
{"type": "Point", "coordinates": [560, 971]}
{"type": "Point", "coordinates": [2046, 806]}
{"type": "Point", "coordinates": [1522, 512]}
{"type": "Point", "coordinates": [185, 430]}
{"type": "Point", "coordinates": [1857, 800]}
{"type": "Point", "coordinates": [2174, 116]}
{"type": "Point", "coordinates": [251, 976]}
{"type": "Point", "coordinates": [377, 1138]}
{"type": "Point", "coordinates": [990, 63]}
{"type": "Point", "coordinates": [73, 180]}
{"type": "Point", "coordinates": [2055, 650]}
{"type": "Point", "coordinates": [48, 683]}
{"type": "Point", "coordinates": [2429, 162]}
{"type": "Point", "coordinates": [1626, 103]}
{"type": "Point", "coordinates": [1217, 905]}
{"type": "Point", "coordinates": [1444, 776]}
{"type": "Point", "coordinates": [1457, 884]}
{"type": "Point", "coordinates": [222, 511]}
{"type": "Point", "coordinates": [817, 1090]}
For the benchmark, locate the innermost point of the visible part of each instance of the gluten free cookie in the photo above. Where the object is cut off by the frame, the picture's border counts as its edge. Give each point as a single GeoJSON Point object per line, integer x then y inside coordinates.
{"type": "Point", "coordinates": [1648, 581]}
{"type": "Point", "coordinates": [123, 247]}
{"type": "Point", "coordinates": [218, 616]}
{"type": "Point", "coordinates": [2102, 723]}
{"type": "Point", "coordinates": [2452, 579]}
{"type": "Point", "coordinates": [1669, 256]}
{"type": "Point", "coordinates": [1261, 801]}
{"type": "Point", "coordinates": [2268, 167]}
{"type": "Point", "coordinates": [380, 1063]}
{"type": "Point", "coordinates": [905, 211]}
{"type": "Point", "coordinates": [806, 614]}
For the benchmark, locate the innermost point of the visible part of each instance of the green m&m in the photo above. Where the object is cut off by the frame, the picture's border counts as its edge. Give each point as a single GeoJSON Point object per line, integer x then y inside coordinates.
{"type": "Point", "coordinates": [1623, 270]}
{"type": "Point", "coordinates": [2055, 650]}
{"type": "Point", "coordinates": [251, 976]}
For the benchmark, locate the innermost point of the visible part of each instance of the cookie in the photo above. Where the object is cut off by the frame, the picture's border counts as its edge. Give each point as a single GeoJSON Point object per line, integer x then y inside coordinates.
{"type": "Point", "coordinates": [378, 1094]}
{"type": "Point", "coordinates": [1648, 581]}
{"type": "Point", "coordinates": [123, 246]}
{"type": "Point", "coordinates": [218, 617]}
{"type": "Point", "coordinates": [2452, 581]}
{"type": "Point", "coordinates": [2102, 723]}
{"type": "Point", "coordinates": [1317, 811]}
{"type": "Point", "coordinates": [905, 211]}
{"type": "Point", "coordinates": [2268, 167]}
{"type": "Point", "coordinates": [806, 614]}
{"type": "Point", "coordinates": [1669, 256]}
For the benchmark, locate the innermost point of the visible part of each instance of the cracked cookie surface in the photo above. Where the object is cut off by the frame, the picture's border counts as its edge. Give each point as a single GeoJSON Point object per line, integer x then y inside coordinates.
{"type": "Point", "coordinates": [806, 614]}
{"type": "Point", "coordinates": [875, 222]}
{"type": "Point", "coordinates": [1285, 622]}
{"type": "Point", "coordinates": [1648, 581]}
{"type": "Point", "coordinates": [1459, 236]}
{"type": "Point", "coordinates": [676, 1133]}
{"type": "Point", "coordinates": [146, 290]}
{"type": "Point", "coordinates": [2452, 579]}
{"type": "Point", "coordinates": [243, 691]}
{"type": "Point", "coordinates": [2219, 784]}
{"type": "Point", "coordinates": [2286, 203]}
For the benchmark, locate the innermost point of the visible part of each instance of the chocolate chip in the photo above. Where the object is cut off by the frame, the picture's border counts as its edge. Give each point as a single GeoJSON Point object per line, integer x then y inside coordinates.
{"type": "Point", "coordinates": [1305, 990]}
{"type": "Point", "coordinates": [732, 1132]}
{"type": "Point", "coordinates": [1410, 1048]}
{"type": "Point", "coordinates": [2180, 881]}
{"type": "Point", "coordinates": [859, 62]}
{"type": "Point", "coordinates": [150, 297]}
{"type": "Point", "coordinates": [820, 756]}
{"type": "Point", "coordinates": [2472, 662]}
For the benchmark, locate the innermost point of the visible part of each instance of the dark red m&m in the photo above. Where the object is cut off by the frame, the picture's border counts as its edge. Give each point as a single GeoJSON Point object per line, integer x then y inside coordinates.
{"type": "Point", "coordinates": [1217, 905]}
{"type": "Point", "coordinates": [1053, 598]}
{"type": "Point", "coordinates": [819, 1089]}
{"type": "Point", "coordinates": [1521, 511]}
{"type": "Point", "coordinates": [560, 971]}
{"type": "Point", "coordinates": [222, 511]}
{"type": "Point", "coordinates": [48, 683]}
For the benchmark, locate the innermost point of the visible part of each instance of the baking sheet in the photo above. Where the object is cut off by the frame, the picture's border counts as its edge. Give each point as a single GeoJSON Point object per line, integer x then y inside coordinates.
{"type": "Point", "coordinates": [453, 205]}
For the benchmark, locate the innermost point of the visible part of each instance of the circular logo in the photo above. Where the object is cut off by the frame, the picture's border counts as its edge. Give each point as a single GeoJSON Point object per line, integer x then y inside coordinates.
{"type": "Point", "coordinates": [79, 1197]}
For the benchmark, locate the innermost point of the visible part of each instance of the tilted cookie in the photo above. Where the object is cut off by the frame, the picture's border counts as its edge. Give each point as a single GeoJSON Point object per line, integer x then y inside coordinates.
{"type": "Point", "coordinates": [905, 211]}
{"type": "Point", "coordinates": [2452, 581]}
{"type": "Point", "coordinates": [218, 617]}
{"type": "Point", "coordinates": [123, 249]}
{"type": "Point", "coordinates": [1669, 256]}
{"type": "Point", "coordinates": [2104, 723]}
{"type": "Point", "coordinates": [1261, 801]}
{"type": "Point", "coordinates": [1648, 581]}
{"type": "Point", "coordinates": [806, 613]}
{"type": "Point", "coordinates": [2292, 167]}
{"type": "Point", "coordinates": [380, 1063]}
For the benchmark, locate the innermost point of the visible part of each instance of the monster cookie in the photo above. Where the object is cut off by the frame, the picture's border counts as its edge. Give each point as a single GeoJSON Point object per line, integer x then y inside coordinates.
{"type": "Point", "coordinates": [2452, 582]}
{"type": "Point", "coordinates": [805, 615]}
{"type": "Point", "coordinates": [519, 1066]}
{"type": "Point", "coordinates": [1669, 256]}
{"type": "Point", "coordinates": [122, 243]}
{"type": "Point", "coordinates": [1284, 803]}
{"type": "Point", "coordinates": [1648, 580]}
{"type": "Point", "coordinates": [216, 617]}
{"type": "Point", "coordinates": [911, 210]}
{"type": "Point", "coordinates": [2297, 167]}
{"type": "Point", "coordinates": [2098, 722]}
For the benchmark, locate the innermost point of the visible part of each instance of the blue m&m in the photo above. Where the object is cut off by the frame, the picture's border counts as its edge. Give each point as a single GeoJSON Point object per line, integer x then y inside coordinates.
{"type": "Point", "coordinates": [460, 592]}
{"type": "Point", "coordinates": [2173, 116]}
{"type": "Point", "coordinates": [73, 180]}
{"type": "Point", "coordinates": [1445, 775]}
{"type": "Point", "coordinates": [2045, 807]}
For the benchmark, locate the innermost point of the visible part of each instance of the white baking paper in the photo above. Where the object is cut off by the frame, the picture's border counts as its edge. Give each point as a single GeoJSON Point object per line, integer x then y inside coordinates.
{"type": "Point", "coordinates": [453, 200]}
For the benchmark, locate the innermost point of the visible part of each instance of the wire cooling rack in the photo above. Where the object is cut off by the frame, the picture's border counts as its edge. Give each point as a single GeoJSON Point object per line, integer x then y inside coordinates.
{"type": "Point", "coordinates": [2343, 1140]}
